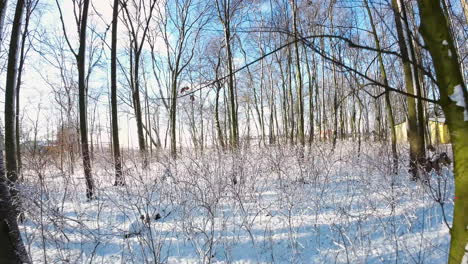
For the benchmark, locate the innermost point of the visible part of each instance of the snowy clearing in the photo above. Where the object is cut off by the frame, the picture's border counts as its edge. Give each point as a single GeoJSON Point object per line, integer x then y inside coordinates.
{"type": "Point", "coordinates": [330, 207]}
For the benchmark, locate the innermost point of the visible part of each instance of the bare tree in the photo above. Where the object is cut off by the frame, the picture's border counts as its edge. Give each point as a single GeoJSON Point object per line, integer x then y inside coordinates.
{"type": "Point", "coordinates": [81, 23]}
{"type": "Point", "coordinates": [138, 24]}
{"type": "Point", "coordinates": [180, 31]}
{"type": "Point", "coordinates": [114, 116]}
{"type": "Point", "coordinates": [226, 10]}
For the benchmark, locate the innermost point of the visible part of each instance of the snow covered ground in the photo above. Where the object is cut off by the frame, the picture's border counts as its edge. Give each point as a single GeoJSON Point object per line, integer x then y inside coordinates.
{"type": "Point", "coordinates": [329, 207]}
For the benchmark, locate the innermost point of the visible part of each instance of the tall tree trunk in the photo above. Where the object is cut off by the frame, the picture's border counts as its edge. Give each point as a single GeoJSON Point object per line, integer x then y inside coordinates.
{"type": "Point", "coordinates": [10, 97]}
{"type": "Point", "coordinates": [217, 121]}
{"type": "Point", "coordinates": [416, 80]}
{"type": "Point", "coordinates": [119, 180]}
{"type": "Point", "coordinates": [225, 17]}
{"type": "Point", "coordinates": [231, 88]}
{"type": "Point", "coordinates": [291, 99]}
{"type": "Point", "coordinates": [416, 146]}
{"type": "Point", "coordinates": [262, 111]}
{"type": "Point", "coordinates": [272, 137]}
{"type": "Point", "coordinates": [300, 100]}
{"type": "Point", "coordinates": [82, 98]}
{"type": "Point", "coordinates": [454, 102]}
{"type": "Point", "coordinates": [173, 114]}
{"type": "Point", "coordinates": [388, 106]}
{"type": "Point", "coordinates": [324, 113]}
{"type": "Point", "coordinates": [311, 79]}
{"type": "Point", "coordinates": [378, 119]}
{"type": "Point", "coordinates": [335, 106]}
{"type": "Point", "coordinates": [137, 106]}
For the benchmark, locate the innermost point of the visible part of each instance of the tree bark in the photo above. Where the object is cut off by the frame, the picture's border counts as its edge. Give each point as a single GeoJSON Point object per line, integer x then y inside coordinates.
{"type": "Point", "coordinates": [82, 98]}
{"type": "Point", "coordinates": [231, 88]}
{"type": "Point", "coordinates": [10, 97]}
{"type": "Point", "coordinates": [218, 89]}
{"type": "Point", "coordinates": [173, 113]}
{"type": "Point", "coordinates": [454, 102]}
{"type": "Point", "coordinates": [300, 100]}
{"type": "Point", "coordinates": [416, 146]}
{"type": "Point", "coordinates": [119, 180]}
{"type": "Point", "coordinates": [417, 82]}
{"type": "Point", "coordinates": [311, 79]}
{"type": "Point", "coordinates": [137, 106]}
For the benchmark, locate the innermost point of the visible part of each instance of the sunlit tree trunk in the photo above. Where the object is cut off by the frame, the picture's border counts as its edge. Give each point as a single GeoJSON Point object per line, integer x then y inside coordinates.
{"type": "Point", "coordinates": [416, 146]}
{"type": "Point", "coordinates": [454, 102]}
{"type": "Point", "coordinates": [416, 80]}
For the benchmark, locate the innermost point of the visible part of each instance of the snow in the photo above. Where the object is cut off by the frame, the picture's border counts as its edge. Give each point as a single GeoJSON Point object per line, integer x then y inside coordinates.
{"type": "Point", "coordinates": [458, 96]}
{"type": "Point", "coordinates": [444, 42]}
{"type": "Point", "coordinates": [459, 99]}
{"type": "Point", "coordinates": [137, 227]}
{"type": "Point", "coordinates": [329, 207]}
{"type": "Point", "coordinates": [450, 53]}
{"type": "Point", "coordinates": [465, 257]}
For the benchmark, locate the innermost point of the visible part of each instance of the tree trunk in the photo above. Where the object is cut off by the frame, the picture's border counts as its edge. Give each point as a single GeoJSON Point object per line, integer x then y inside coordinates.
{"type": "Point", "coordinates": [119, 180]}
{"type": "Point", "coordinates": [82, 98]}
{"type": "Point", "coordinates": [232, 99]}
{"type": "Point", "coordinates": [10, 97]}
{"type": "Point", "coordinates": [12, 250]}
{"type": "Point", "coordinates": [291, 99]}
{"type": "Point", "coordinates": [137, 106]}
{"type": "Point", "coordinates": [417, 82]}
{"type": "Point", "coordinates": [173, 117]}
{"type": "Point", "coordinates": [311, 79]}
{"type": "Point", "coordinates": [218, 89]}
{"type": "Point", "coordinates": [416, 146]}
{"type": "Point", "coordinates": [300, 100]}
{"type": "Point", "coordinates": [454, 102]}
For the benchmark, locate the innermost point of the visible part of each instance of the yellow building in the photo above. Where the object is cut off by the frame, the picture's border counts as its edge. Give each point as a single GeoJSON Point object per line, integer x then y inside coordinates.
{"type": "Point", "coordinates": [439, 133]}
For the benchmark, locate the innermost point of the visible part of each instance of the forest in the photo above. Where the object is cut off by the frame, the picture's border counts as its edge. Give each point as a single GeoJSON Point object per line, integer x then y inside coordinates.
{"type": "Point", "coordinates": [234, 131]}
